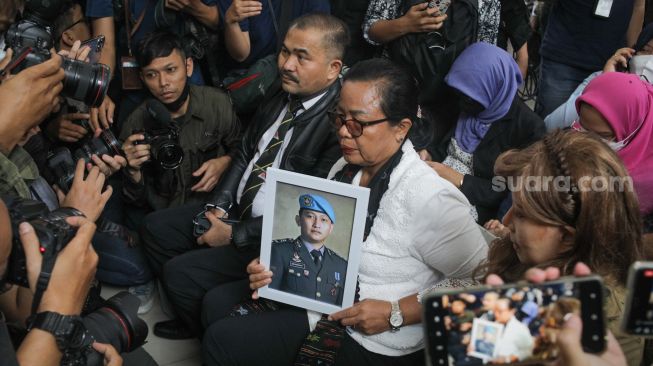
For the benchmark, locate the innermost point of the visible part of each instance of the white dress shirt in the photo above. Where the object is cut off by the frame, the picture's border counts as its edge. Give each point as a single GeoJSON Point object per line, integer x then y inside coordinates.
{"type": "Point", "coordinates": [259, 200]}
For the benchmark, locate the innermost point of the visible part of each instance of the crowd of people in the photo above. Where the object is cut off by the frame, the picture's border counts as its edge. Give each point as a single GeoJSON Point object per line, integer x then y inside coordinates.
{"type": "Point", "coordinates": [467, 182]}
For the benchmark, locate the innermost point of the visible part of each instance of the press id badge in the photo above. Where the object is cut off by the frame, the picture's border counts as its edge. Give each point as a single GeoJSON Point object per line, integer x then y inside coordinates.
{"type": "Point", "coordinates": [603, 8]}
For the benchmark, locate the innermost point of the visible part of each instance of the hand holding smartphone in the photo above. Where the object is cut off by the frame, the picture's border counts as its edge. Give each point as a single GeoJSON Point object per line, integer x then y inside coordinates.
{"type": "Point", "coordinates": [638, 317]}
{"type": "Point", "coordinates": [511, 324]}
{"type": "Point", "coordinates": [442, 5]}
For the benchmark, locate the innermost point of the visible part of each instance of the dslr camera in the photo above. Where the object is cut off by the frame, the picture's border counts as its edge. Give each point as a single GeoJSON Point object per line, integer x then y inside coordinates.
{"type": "Point", "coordinates": [164, 147]}
{"type": "Point", "coordinates": [62, 162]}
{"type": "Point", "coordinates": [31, 39]}
{"type": "Point", "coordinates": [163, 139]}
{"type": "Point", "coordinates": [114, 321]}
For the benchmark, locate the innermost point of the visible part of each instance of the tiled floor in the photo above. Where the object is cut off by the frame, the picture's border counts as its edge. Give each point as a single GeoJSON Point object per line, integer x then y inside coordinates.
{"type": "Point", "coordinates": [165, 352]}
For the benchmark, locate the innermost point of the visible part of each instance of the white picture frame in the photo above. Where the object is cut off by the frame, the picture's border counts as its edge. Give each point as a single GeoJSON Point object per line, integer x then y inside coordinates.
{"type": "Point", "coordinates": [481, 327]}
{"type": "Point", "coordinates": [280, 185]}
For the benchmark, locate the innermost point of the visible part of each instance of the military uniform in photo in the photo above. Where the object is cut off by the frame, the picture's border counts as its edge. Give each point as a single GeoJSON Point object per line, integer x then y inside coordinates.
{"type": "Point", "coordinates": [296, 270]}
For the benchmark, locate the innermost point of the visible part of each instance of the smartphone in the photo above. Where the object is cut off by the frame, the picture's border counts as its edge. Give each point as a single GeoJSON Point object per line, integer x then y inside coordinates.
{"type": "Point", "coordinates": [442, 5]}
{"type": "Point", "coordinates": [511, 324]}
{"type": "Point", "coordinates": [95, 44]}
{"type": "Point", "coordinates": [638, 317]}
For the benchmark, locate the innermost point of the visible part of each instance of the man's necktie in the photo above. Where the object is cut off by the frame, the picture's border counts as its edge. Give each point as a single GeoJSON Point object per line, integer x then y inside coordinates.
{"type": "Point", "coordinates": [317, 258]}
{"type": "Point", "coordinates": [266, 159]}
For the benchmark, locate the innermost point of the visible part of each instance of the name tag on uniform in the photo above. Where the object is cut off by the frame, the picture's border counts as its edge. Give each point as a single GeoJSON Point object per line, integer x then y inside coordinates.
{"type": "Point", "coordinates": [299, 265]}
{"type": "Point", "coordinates": [603, 8]}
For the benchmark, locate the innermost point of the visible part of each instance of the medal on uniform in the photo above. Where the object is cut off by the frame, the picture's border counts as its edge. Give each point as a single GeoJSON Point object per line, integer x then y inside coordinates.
{"type": "Point", "coordinates": [295, 257]}
{"type": "Point", "coordinates": [337, 276]}
{"type": "Point", "coordinates": [306, 272]}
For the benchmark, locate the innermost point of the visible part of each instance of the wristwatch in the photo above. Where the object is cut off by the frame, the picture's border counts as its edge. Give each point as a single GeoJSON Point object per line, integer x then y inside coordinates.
{"type": "Point", "coordinates": [396, 318]}
{"type": "Point", "coordinates": [68, 330]}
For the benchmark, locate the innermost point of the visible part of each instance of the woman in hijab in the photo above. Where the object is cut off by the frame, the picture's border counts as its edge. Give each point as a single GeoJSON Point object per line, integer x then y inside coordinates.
{"type": "Point", "coordinates": [637, 60]}
{"type": "Point", "coordinates": [492, 119]}
{"type": "Point", "coordinates": [618, 108]}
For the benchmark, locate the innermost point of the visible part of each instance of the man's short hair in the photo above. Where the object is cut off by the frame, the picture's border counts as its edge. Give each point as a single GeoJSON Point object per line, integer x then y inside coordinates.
{"type": "Point", "coordinates": [335, 32]}
{"type": "Point", "coordinates": [158, 44]}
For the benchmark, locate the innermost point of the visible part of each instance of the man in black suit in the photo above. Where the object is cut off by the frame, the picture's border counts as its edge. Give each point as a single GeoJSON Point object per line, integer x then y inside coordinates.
{"type": "Point", "coordinates": [291, 131]}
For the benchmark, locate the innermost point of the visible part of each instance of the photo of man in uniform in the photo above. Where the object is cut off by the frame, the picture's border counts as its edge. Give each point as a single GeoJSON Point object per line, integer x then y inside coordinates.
{"type": "Point", "coordinates": [305, 266]}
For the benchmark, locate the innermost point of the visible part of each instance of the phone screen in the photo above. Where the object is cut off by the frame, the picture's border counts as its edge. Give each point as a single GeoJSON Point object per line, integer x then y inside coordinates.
{"type": "Point", "coordinates": [512, 324]}
{"type": "Point", "coordinates": [638, 319]}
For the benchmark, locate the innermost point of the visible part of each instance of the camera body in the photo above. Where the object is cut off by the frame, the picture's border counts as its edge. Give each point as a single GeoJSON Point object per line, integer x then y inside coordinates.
{"type": "Point", "coordinates": [164, 146]}
{"type": "Point", "coordinates": [51, 228]}
{"type": "Point", "coordinates": [31, 39]}
{"type": "Point", "coordinates": [115, 321]}
{"type": "Point", "coordinates": [62, 162]}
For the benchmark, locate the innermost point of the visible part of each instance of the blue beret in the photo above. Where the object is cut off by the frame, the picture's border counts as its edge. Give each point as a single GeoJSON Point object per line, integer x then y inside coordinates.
{"type": "Point", "coordinates": [317, 203]}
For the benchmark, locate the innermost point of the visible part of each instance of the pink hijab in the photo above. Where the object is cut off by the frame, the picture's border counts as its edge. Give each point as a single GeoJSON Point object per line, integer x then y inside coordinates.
{"type": "Point", "coordinates": [626, 102]}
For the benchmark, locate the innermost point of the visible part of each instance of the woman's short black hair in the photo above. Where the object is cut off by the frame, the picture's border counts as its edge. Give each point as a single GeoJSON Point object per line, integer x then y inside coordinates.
{"type": "Point", "coordinates": [397, 88]}
{"type": "Point", "coordinates": [158, 44]}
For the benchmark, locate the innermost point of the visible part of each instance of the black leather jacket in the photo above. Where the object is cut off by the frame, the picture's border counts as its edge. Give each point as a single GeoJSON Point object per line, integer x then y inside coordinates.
{"type": "Point", "coordinates": [312, 150]}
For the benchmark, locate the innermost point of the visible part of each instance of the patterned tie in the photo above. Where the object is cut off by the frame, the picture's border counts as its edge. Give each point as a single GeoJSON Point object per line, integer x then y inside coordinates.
{"type": "Point", "coordinates": [257, 177]}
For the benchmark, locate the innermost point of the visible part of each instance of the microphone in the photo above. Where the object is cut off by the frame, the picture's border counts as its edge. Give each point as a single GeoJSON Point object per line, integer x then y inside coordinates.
{"type": "Point", "coordinates": [159, 112]}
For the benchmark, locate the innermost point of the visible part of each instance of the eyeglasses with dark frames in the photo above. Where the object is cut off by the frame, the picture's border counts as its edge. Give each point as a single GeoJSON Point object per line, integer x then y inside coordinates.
{"type": "Point", "coordinates": [354, 126]}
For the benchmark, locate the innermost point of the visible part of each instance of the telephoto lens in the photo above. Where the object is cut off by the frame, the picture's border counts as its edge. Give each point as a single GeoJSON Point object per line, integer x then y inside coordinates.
{"type": "Point", "coordinates": [106, 143]}
{"type": "Point", "coordinates": [85, 82]}
{"type": "Point", "coordinates": [117, 323]}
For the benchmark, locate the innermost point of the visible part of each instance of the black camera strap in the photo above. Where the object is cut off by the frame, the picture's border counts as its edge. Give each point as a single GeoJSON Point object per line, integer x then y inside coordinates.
{"type": "Point", "coordinates": [47, 266]}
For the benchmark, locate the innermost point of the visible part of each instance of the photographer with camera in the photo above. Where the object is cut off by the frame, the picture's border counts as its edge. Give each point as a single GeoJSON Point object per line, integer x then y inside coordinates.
{"type": "Point", "coordinates": [188, 132]}
{"type": "Point", "coordinates": [65, 294]}
{"type": "Point", "coordinates": [73, 126]}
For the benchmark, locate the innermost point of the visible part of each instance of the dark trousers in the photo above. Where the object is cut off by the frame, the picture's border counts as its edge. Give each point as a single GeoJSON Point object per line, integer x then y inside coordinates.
{"type": "Point", "coordinates": [270, 338]}
{"type": "Point", "coordinates": [119, 263]}
{"type": "Point", "coordinates": [168, 233]}
{"type": "Point", "coordinates": [188, 274]}
{"type": "Point", "coordinates": [557, 82]}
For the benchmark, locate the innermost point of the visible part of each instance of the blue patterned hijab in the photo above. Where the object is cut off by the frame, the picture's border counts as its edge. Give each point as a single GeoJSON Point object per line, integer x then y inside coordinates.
{"type": "Point", "coordinates": [490, 76]}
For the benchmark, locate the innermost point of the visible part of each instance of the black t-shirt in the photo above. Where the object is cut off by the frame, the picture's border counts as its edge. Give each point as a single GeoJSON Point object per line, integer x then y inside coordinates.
{"type": "Point", "coordinates": [578, 38]}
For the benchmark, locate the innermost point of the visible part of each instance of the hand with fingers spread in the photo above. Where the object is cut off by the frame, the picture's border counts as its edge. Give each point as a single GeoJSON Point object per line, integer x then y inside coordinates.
{"type": "Point", "coordinates": [86, 193]}
{"type": "Point", "coordinates": [210, 171]}
{"type": "Point", "coordinates": [421, 18]}
{"type": "Point", "coordinates": [111, 356]}
{"type": "Point", "coordinates": [367, 316]}
{"type": "Point", "coordinates": [619, 60]}
{"type": "Point", "coordinates": [242, 9]}
{"type": "Point", "coordinates": [219, 234]}
{"type": "Point", "coordinates": [259, 276]}
{"type": "Point", "coordinates": [73, 270]}
{"type": "Point", "coordinates": [65, 129]}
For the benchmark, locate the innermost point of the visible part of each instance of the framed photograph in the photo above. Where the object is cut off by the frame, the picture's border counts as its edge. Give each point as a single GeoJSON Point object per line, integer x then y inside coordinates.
{"type": "Point", "coordinates": [311, 241]}
{"type": "Point", "coordinates": [485, 336]}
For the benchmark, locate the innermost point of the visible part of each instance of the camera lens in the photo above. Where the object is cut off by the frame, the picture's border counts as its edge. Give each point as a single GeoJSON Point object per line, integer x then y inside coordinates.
{"type": "Point", "coordinates": [106, 143]}
{"type": "Point", "coordinates": [118, 323]}
{"type": "Point", "coordinates": [85, 82]}
{"type": "Point", "coordinates": [169, 155]}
